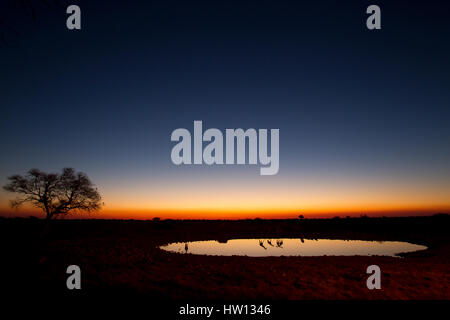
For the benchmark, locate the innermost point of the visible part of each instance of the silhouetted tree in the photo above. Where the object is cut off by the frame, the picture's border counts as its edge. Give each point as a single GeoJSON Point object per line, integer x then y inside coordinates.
{"type": "Point", "coordinates": [56, 194]}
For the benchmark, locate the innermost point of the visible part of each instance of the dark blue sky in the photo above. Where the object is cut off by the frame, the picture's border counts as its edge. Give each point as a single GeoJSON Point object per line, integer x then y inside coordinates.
{"type": "Point", "coordinates": [350, 103]}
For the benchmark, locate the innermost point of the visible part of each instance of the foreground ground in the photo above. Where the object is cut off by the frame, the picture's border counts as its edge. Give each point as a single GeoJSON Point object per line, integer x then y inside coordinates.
{"type": "Point", "coordinates": [123, 257]}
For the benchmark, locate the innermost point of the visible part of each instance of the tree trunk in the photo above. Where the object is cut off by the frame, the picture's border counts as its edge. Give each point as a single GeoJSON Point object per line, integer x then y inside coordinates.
{"type": "Point", "coordinates": [46, 228]}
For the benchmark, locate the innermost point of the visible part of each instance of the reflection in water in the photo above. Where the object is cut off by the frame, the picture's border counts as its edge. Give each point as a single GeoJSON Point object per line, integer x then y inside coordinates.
{"type": "Point", "coordinates": [279, 243]}
{"type": "Point", "coordinates": [261, 243]}
{"type": "Point", "coordinates": [294, 247]}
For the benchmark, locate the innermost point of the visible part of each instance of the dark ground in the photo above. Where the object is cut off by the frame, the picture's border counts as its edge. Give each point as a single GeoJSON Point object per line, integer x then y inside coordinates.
{"type": "Point", "coordinates": [122, 257]}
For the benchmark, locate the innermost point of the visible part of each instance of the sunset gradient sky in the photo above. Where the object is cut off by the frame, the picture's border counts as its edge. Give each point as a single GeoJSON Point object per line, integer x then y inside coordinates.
{"type": "Point", "coordinates": [363, 116]}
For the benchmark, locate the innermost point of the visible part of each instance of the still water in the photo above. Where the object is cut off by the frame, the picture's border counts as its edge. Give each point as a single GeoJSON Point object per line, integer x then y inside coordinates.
{"type": "Point", "coordinates": [293, 247]}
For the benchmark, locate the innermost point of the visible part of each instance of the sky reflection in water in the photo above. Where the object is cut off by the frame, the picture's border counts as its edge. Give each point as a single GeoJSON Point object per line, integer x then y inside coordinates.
{"type": "Point", "coordinates": [293, 247]}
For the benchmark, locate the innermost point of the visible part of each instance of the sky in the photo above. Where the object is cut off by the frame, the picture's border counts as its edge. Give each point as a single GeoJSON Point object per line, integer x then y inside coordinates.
{"type": "Point", "coordinates": [363, 114]}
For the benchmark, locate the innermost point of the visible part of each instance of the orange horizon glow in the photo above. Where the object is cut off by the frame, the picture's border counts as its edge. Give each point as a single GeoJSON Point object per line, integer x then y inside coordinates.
{"type": "Point", "coordinates": [226, 214]}
{"type": "Point", "coordinates": [240, 197]}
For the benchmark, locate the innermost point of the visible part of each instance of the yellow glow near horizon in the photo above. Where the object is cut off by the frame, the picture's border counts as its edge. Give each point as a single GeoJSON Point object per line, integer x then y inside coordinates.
{"type": "Point", "coordinates": [199, 197]}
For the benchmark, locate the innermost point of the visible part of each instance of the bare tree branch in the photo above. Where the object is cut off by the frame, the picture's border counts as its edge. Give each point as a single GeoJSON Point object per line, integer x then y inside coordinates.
{"type": "Point", "coordinates": [55, 194]}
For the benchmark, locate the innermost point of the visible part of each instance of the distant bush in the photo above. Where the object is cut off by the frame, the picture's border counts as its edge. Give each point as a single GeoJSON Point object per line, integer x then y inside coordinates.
{"type": "Point", "coordinates": [441, 215]}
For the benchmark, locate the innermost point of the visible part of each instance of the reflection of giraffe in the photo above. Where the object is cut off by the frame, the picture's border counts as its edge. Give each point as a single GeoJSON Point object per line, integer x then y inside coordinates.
{"type": "Point", "coordinates": [270, 242]}
{"type": "Point", "coordinates": [261, 243]}
{"type": "Point", "coordinates": [280, 243]}
{"type": "Point", "coordinates": [186, 247]}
